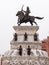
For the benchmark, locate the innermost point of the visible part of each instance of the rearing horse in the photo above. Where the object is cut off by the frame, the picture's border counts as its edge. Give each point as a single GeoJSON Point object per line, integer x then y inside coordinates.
{"type": "Point", "coordinates": [22, 18]}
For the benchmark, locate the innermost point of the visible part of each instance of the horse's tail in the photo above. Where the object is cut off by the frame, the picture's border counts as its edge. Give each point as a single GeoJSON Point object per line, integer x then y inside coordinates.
{"type": "Point", "coordinates": [39, 17]}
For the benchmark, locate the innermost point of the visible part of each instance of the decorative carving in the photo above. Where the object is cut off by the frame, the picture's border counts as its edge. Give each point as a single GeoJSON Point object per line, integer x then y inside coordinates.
{"type": "Point", "coordinates": [42, 62]}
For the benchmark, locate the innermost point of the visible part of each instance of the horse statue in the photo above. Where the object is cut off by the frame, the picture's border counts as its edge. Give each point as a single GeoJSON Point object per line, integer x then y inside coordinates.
{"type": "Point", "coordinates": [23, 18]}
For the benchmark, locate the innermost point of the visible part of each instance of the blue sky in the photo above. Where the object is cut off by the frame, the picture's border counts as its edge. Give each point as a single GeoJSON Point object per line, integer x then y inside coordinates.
{"type": "Point", "coordinates": [8, 10]}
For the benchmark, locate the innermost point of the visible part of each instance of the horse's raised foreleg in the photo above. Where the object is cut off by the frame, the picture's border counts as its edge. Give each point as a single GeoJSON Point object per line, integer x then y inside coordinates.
{"type": "Point", "coordinates": [18, 22]}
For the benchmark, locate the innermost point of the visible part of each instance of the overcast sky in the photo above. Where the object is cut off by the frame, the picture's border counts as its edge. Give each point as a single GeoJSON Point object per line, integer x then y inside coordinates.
{"type": "Point", "coordinates": [8, 10]}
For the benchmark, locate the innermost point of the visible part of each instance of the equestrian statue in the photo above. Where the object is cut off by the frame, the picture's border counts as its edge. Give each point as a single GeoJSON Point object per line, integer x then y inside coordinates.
{"type": "Point", "coordinates": [24, 17]}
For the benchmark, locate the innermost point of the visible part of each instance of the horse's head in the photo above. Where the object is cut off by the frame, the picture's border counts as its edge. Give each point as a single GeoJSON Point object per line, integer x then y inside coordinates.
{"type": "Point", "coordinates": [19, 13]}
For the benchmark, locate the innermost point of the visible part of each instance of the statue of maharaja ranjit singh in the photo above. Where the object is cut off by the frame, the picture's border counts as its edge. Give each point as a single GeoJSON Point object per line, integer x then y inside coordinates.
{"type": "Point", "coordinates": [24, 17]}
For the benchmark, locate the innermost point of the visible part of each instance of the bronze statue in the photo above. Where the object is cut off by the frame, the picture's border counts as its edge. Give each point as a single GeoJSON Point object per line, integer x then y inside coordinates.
{"type": "Point", "coordinates": [25, 36]}
{"type": "Point", "coordinates": [24, 17]}
{"type": "Point", "coordinates": [28, 50]}
{"type": "Point", "coordinates": [20, 50]}
{"type": "Point", "coordinates": [26, 12]}
{"type": "Point", "coordinates": [15, 37]}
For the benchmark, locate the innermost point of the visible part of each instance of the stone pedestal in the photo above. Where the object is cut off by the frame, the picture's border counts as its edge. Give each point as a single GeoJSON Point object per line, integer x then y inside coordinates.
{"type": "Point", "coordinates": [30, 31]}
{"type": "Point", "coordinates": [25, 37]}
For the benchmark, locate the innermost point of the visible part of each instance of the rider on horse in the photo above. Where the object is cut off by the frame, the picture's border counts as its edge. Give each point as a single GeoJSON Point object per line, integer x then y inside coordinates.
{"type": "Point", "coordinates": [24, 17]}
{"type": "Point", "coordinates": [26, 12]}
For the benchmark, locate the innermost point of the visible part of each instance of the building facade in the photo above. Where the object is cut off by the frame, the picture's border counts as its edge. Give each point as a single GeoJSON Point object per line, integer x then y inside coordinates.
{"type": "Point", "coordinates": [45, 45]}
